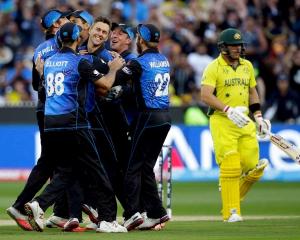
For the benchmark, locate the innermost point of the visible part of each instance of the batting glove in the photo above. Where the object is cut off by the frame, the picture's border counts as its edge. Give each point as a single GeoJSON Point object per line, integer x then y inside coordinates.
{"type": "Point", "coordinates": [263, 126]}
{"type": "Point", "coordinates": [237, 115]}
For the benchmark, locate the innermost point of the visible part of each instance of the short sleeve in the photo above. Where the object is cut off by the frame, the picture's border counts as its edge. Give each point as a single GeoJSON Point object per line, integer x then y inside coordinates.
{"type": "Point", "coordinates": [209, 76]}
{"type": "Point", "coordinates": [252, 76]}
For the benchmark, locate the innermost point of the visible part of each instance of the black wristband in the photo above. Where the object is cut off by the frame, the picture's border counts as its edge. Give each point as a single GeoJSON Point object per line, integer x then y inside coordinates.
{"type": "Point", "coordinates": [254, 107]}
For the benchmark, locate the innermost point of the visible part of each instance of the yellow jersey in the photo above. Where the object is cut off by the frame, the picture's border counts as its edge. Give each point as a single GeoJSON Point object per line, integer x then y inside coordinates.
{"type": "Point", "coordinates": [231, 85]}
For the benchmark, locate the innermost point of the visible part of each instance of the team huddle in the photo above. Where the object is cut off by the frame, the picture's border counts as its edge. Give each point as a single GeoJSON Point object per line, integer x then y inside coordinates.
{"type": "Point", "coordinates": [103, 118]}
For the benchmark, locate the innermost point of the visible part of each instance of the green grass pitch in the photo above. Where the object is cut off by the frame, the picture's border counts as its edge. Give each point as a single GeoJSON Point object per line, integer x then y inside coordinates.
{"type": "Point", "coordinates": [271, 211]}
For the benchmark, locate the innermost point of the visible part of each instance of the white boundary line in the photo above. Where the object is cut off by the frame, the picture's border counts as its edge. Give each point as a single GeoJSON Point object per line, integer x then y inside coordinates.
{"type": "Point", "coordinates": [219, 218]}
{"type": "Point", "coordinates": [195, 218]}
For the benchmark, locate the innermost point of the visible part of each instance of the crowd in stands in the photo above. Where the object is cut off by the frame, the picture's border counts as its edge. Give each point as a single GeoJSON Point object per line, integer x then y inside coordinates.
{"type": "Point", "coordinates": [190, 29]}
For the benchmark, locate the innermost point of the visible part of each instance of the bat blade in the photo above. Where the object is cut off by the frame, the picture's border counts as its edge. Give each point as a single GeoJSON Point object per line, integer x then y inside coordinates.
{"type": "Point", "coordinates": [289, 148]}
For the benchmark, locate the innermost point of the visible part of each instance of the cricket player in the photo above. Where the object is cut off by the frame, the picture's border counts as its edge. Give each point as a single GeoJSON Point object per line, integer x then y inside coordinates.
{"type": "Point", "coordinates": [228, 88]}
{"type": "Point", "coordinates": [73, 198]}
{"type": "Point", "coordinates": [51, 21]}
{"type": "Point", "coordinates": [149, 75]}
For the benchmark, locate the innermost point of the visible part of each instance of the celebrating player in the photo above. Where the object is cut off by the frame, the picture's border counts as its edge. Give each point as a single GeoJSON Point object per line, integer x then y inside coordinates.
{"type": "Point", "coordinates": [149, 75]}
{"type": "Point", "coordinates": [51, 22]}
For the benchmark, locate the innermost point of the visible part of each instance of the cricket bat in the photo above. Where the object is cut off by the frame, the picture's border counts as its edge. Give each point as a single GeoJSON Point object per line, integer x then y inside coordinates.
{"type": "Point", "coordinates": [289, 148]}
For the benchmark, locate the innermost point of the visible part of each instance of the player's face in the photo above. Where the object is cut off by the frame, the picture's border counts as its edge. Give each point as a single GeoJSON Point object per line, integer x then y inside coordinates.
{"type": "Point", "coordinates": [99, 33]}
{"type": "Point", "coordinates": [84, 34]}
{"type": "Point", "coordinates": [61, 22]}
{"type": "Point", "coordinates": [119, 41]}
{"type": "Point", "coordinates": [234, 51]}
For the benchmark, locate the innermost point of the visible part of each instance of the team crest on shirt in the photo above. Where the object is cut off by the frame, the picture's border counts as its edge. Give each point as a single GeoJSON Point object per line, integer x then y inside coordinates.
{"type": "Point", "coordinates": [246, 70]}
{"type": "Point", "coordinates": [96, 73]}
{"type": "Point", "coordinates": [126, 70]}
{"type": "Point", "coordinates": [225, 71]}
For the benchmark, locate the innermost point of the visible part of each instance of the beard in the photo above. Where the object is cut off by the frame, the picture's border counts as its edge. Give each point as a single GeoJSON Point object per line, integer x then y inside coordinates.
{"type": "Point", "coordinates": [234, 56]}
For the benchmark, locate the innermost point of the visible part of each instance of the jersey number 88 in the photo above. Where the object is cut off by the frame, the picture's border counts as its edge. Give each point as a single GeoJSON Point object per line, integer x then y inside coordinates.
{"type": "Point", "coordinates": [55, 84]}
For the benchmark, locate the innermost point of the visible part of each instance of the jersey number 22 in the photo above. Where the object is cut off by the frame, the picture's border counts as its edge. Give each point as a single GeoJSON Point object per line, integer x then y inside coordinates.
{"type": "Point", "coordinates": [163, 84]}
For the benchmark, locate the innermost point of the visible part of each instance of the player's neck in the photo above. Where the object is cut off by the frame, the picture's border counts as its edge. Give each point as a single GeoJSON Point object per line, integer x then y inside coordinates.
{"type": "Point", "coordinates": [92, 47]}
{"type": "Point", "coordinates": [232, 62]}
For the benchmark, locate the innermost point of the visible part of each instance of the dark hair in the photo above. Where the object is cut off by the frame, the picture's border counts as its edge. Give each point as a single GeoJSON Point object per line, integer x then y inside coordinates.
{"type": "Point", "coordinates": [104, 20]}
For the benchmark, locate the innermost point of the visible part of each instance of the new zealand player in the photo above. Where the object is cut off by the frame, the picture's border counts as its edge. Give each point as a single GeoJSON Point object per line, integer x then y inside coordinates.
{"type": "Point", "coordinates": [107, 118]}
{"type": "Point", "coordinates": [71, 204]}
{"type": "Point", "coordinates": [228, 87]}
{"type": "Point", "coordinates": [51, 22]}
{"type": "Point", "coordinates": [149, 75]}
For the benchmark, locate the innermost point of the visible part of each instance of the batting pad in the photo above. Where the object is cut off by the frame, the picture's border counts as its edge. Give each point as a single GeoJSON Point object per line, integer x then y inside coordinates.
{"type": "Point", "coordinates": [251, 177]}
{"type": "Point", "coordinates": [230, 172]}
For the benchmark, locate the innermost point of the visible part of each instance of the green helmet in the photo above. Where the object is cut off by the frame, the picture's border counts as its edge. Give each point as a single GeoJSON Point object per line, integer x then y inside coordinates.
{"type": "Point", "coordinates": [230, 36]}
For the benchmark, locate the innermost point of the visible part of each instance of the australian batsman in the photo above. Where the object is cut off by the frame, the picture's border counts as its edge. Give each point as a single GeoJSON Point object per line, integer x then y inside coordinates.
{"type": "Point", "coordinates": [228, 88]}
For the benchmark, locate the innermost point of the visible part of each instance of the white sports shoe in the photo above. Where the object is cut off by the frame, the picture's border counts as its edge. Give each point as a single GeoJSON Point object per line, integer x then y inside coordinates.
{"type": "Point", "coordinates": [91, 226]}
{"type": "Point", "coordinates": [110, 227]}
{"type": "Point", "coordinates": [91, 212]}
{"type": "Point", "coordinates": [55, 221]}
{"type": "Point", "coordinates": [20, 219]}
{"type": "Point", "coordinates": [234, 217]}
{"type": "Point", "coordinates": [150, 223]}
{"type": "Point", "coordinates": [71, 224]}
{"type": "Point", "coordinates": [135, 220]}
{"type": "Point", "coordinates": [35, 215]}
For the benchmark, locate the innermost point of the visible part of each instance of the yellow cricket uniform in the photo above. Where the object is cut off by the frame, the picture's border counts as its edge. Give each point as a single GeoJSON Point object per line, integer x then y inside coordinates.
{"type": "Point", "coordinates": [232, 88]}
{"type": "Point", "coordinates": [236, 149]}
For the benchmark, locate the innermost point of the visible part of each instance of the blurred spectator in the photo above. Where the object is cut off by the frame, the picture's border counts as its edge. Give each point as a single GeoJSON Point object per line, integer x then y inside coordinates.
{"type": "Point", "coordinates": [198, 61]}
{"type": "Point", "coordinates": [230, 6]}
{"type": "Point", "coordinates": [232, 19]}
{"type": "Point", "coordinates": [136, 11]}
{"type": "Point", "coordinates": [6, 54]}
{"type": "Point", "coordinates": [295, 72]}
{"type": "Point", "coordinates": [175, 101]}
{"type": "Point", "coordinates": [12, 36]}
{"type": "Point", "coordinates": [3, 85]}
{"type": "Point", "coordinates": [207, 31]}
{"type": "Point", "coordinates": [116, 12]}
{"type": "Point", "coordinates": [18, 91]}
{"type": "Point", "coordinates": [284, 104]}
{"type": "Point", "coordinates": [19, 69]}
{"type": "Point", "coordinates": [182, 76]}
{"type": "Point", "coordinates": [273, 64]}
{"type": "Point", "coordinates": [256, 42]}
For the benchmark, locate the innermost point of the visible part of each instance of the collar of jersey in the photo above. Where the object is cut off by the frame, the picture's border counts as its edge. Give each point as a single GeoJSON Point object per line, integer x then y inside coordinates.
{"type": "Point", "coordinates": [150, 50]}
{"type": "Point", "coordinates": [67, 49]}
{"type": "Point", "coordinates": [222, 61]}
{"type": "Point", "coordinates": [98, 50]}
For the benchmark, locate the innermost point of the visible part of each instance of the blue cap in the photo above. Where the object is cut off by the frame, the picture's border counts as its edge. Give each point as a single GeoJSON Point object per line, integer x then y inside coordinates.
{"type": "Point", "coordinates": [125, 28]}
{"type": "Point", "coordinates": [148, 32]}
{"type": "Point", "coordinates": [51, 17]}
{"type": "Point", "coordinates": [84, 15]}
{"type": "Point", "coordinates": [69, 32]}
